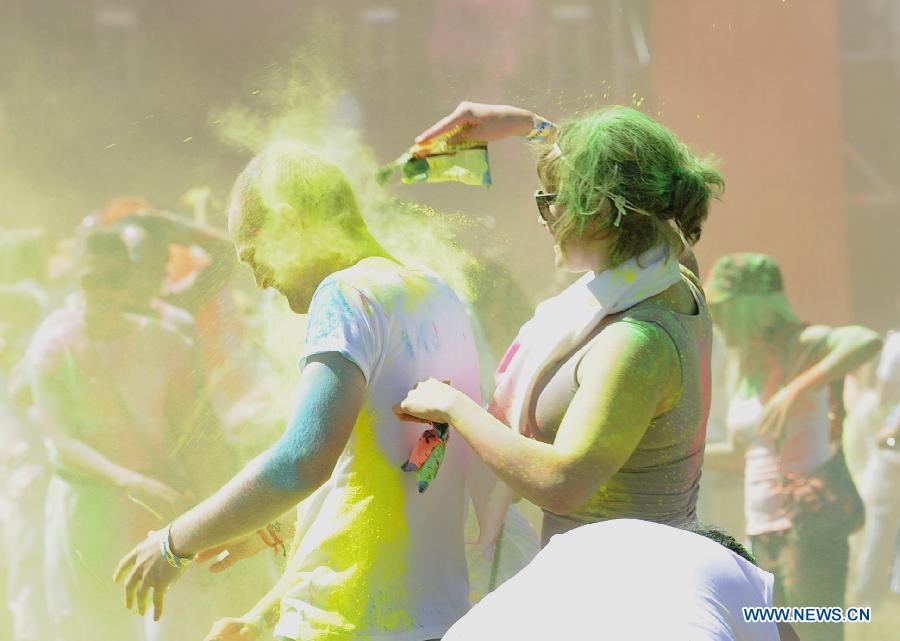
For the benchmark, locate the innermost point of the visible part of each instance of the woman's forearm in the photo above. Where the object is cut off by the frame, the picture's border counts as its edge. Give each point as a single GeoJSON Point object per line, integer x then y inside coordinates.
{"type": "Point", "coordinates": [82, 458]}
{"type": "Point", "coordinates": [483, 122]}
{"type": "Point", "coordinates": [625, 378]}
{"type": "Point", "coordinates": [51, 416]}
{"type": "Point", "coordinates": [851, 347]}
{"type": "Point", "coordinates": [533, 470]}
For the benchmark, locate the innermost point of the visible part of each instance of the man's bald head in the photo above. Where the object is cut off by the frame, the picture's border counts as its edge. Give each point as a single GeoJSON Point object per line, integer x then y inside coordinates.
{"type": "Point", "coordinates": [285, 176]}
{"type": "Point", "coordinates": [293, 217]}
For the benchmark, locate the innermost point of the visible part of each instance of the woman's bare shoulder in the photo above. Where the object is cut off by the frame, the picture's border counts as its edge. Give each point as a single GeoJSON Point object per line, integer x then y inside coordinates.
{"type": "Point", "coordinates": [643, 348]}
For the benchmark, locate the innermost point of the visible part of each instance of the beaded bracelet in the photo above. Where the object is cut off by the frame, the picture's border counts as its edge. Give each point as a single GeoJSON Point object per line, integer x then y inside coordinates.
{"type": "Point", "coordinates": [270, 537]}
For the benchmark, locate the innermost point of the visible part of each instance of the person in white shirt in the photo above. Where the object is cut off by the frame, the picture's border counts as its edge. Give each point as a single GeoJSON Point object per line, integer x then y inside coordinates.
{"type": "Point", "coordinates": [784, 421]}
{"type": "Point", "coordinates": [377, 559]}
{"type": "Point", "coordinates": [629, 579]}
{"type": "Point", "coordinates": [880, 482]}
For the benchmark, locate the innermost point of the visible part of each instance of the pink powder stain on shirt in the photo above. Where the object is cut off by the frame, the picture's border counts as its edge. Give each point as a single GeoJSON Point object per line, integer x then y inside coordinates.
{"type": "Point", "coordinates": [507, 358]}
{"type": "Point", "coordinates": [365, 303]}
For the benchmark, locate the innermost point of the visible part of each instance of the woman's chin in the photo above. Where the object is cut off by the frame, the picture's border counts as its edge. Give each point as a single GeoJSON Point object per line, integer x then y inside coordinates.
{"type": "Point", "coordinates": [566, 263]}
{"type": "Point", "coordinates": [562, 262]}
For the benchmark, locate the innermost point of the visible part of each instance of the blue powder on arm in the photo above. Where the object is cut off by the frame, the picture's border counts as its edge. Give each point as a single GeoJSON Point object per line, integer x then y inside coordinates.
{"type": "Point", "coordinates": [342, 341]}
{"type": "Point", "coordinates": [304, 436]}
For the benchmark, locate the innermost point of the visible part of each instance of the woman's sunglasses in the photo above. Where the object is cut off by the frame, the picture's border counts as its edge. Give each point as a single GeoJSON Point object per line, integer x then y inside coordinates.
{"type": "Point", "coordinates": [544, 200]}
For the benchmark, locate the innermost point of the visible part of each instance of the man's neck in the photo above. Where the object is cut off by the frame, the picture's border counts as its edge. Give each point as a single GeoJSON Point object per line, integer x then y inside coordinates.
{"type": "Point", "coordinates": [368, 247]}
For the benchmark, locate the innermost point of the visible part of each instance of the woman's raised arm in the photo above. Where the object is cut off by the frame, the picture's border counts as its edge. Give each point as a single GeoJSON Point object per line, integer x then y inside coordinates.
{"type": "Point", "coordinates": [483, 123]}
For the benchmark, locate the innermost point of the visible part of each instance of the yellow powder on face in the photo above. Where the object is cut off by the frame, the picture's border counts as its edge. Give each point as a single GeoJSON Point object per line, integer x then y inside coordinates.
{"type": "Point", "coordinates": [369, 549]}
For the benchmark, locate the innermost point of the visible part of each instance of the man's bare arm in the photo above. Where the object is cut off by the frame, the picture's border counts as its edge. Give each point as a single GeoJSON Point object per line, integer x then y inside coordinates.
{"type": "Point", "coordinates": [331, 395]}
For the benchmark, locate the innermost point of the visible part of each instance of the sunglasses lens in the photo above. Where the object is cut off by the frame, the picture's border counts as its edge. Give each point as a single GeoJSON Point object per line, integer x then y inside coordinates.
{"type": "Point", "coordinates": [544, 201]}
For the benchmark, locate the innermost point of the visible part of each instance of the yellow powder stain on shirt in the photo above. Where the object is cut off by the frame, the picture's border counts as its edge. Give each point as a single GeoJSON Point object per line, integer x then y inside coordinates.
{"type": "Point", "coordinates": [395, 284]}
{"type": "Point", "coordinates": [624, 274]}
{"type": "Point", "coordinates": [367, 556]}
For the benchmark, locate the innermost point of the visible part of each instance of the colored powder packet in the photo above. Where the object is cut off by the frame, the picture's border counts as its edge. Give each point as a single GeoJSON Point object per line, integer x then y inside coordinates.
{"type": "Point", "coordinates": [439, 161]}
{"type": "Point", "coordinates": [428, 454]}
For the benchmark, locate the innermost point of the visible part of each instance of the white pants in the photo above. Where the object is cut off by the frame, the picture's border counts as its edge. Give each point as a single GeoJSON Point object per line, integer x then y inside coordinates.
{"type": "Point", "coordinates": [881, 493]}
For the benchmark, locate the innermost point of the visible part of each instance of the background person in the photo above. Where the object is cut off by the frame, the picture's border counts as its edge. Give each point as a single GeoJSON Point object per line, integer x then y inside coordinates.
{"type": "Point", "coordinates": [880, 483]}
{"type": "Point", "coordinates": [120, 404]}
{"type": "Point", "coordinates": [780, 422]}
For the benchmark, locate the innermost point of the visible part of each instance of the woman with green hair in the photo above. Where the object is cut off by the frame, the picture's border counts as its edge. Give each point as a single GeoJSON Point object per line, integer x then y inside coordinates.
{"type": "Point", "coordinates": [784, 431]}
{"type": "Point", "coordinates": [606, 389]}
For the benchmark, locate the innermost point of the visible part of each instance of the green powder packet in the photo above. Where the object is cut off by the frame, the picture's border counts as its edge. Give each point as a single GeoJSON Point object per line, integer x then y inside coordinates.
{"type": "Point", "coordinates": [439, 161]}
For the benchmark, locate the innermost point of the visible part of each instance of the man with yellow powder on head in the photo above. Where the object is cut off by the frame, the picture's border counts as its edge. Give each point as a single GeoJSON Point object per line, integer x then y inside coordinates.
{"type": "Point", "coordinates": [379, 561]}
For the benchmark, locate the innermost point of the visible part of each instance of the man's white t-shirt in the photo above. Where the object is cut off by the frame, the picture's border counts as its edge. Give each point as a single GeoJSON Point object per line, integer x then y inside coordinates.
{"type": "Point", "coordinates": [377, 560]}
{"type": "Point", "coordinates": [626, 580]}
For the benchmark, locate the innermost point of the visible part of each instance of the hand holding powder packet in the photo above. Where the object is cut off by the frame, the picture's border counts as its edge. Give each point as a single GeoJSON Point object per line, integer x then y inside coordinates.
{"type": "Point", "coordinates": [441, 161]}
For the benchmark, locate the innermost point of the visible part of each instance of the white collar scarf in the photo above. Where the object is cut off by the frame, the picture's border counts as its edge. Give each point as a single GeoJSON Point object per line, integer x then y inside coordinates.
{"type": "Point", "coordinates": [562, 323]}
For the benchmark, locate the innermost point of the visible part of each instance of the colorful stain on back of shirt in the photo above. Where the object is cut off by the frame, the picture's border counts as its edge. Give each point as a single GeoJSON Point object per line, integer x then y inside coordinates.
{"type": "Point", "coordinates": [406, 291]}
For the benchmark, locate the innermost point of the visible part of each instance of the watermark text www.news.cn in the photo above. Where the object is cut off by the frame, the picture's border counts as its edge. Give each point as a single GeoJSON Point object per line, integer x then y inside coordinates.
{"type": "Point", "coordinates": [807, 615]}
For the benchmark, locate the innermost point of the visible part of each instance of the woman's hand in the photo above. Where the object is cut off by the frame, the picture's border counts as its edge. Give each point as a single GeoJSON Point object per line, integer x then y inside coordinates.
{"type": "Point", "coordinates": [430, 401]}
{"type": "Point", "coordinates": [231, 629]}
{"type": "Point", "coordinates": [481, 122]}
{"type": "Point", "coordinates": [146, 569]}
{"type": "Point", "coordinates": [776, 412]}
{"type": "Point", "coordinates": [238, 550]}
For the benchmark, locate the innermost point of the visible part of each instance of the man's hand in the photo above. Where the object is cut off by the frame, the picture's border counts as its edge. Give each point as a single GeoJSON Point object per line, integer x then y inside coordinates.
{"type": "Point", "coordinates": [230, 629]}
{"type": "Point", "coordinates": [238, 550]}
{"type": "Point", "coordinates": [145, 569]}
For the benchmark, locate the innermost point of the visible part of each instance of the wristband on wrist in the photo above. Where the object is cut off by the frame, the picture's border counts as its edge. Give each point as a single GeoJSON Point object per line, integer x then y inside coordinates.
{"type": "Point", "coordinates": [541, 130]}
{"type": "Point", "coordinates": [165, 548]}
